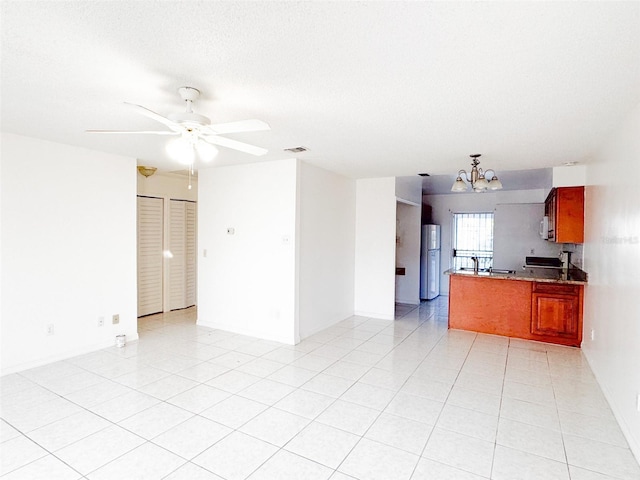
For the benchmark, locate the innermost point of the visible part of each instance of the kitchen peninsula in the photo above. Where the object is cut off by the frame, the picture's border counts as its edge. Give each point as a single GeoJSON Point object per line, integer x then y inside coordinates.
{"type": "Point", "coordinates": [533, 304]}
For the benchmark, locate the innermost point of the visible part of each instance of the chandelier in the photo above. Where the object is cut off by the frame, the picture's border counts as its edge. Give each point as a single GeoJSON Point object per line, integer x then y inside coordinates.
{"type": "Point", "coordinates": [476, 178]}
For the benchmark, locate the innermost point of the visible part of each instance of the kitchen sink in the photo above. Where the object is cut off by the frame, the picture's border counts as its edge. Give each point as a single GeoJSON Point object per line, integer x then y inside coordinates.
{"type": "Point", "coordinates": [501, 270]}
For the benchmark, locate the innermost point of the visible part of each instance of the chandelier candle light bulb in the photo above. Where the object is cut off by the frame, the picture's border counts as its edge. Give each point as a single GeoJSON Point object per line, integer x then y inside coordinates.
{"type": "Point", "coordinates": [477, 178]}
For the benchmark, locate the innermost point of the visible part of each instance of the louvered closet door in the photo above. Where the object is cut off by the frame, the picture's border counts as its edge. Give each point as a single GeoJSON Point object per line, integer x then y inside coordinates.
{"type": "Point", "coordinates": [182, 243]}
{"type": "Point", "coordinates": [190, 251]}
{"type": "Point", "coordinates": [150, 221]}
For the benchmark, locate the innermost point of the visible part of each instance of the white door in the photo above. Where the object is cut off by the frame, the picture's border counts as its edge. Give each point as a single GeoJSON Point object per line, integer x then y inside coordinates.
{"type": "Point", "coordinates": [150, 260]}
{"type": "Point", "coordinates": [182, 245]}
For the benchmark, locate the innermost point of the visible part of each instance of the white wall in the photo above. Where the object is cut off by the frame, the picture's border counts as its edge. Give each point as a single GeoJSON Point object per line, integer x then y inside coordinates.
{"type": "Point", "coordinates": [409, 189]}
{"type": "Point", "coordinates": [443, 206]}
{"type": "Point", "coordinates": [68, 250]}
{"type": "Point", "coordinates": [575, 176]}
{"type": "Point", "coordinates": [327, 248]}
{"type": "Point", "coordinates": [168, 185]}
{"type": "Point", "coordinates": [375, 247]}
{"type": "Point", "coordinates": [516, 235]}
{"type": "Point", "coordinates": [612, 259]}
{"type": "Point", "coordinates": [247, 283]}
{"type": "Point", "coordinates": [408, 239]}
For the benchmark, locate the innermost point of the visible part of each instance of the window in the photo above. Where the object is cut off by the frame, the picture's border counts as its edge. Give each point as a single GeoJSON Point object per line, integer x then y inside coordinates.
{"type": "Point", "coordinates": [472, 237]}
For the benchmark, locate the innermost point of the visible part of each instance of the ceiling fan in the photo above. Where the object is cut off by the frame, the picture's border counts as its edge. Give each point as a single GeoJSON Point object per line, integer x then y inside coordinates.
{"type": "Point", "coordinates": [195, 132]}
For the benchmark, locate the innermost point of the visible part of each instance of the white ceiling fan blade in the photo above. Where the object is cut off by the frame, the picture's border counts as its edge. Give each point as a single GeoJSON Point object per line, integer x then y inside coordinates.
{"type": "Point", "coordinates": [227, 142]}
{"type": "Point", "coordinates": [156, 116]}
{"type": "Point", "coordinates": [252, 125]}
{"type": "Point", "coordinates": [152, 132]}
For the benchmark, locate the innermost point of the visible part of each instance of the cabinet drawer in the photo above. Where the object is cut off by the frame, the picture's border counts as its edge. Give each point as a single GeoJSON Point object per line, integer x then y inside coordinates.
{"type": "Point", "coordinates": [556, 288]}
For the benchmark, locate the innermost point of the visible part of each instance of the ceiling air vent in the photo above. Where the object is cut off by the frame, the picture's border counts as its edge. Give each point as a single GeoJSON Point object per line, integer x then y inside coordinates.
{"type": "Point", "coordinates": [296, 149]}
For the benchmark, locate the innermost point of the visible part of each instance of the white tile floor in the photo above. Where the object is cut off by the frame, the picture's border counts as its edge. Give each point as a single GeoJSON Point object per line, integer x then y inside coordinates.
{"type": "Point", "coordinates": [364, 399]}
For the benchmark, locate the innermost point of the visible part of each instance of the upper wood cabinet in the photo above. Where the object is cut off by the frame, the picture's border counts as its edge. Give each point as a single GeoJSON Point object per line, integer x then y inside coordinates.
{"type": "Point", "coordinates": [565, 208]}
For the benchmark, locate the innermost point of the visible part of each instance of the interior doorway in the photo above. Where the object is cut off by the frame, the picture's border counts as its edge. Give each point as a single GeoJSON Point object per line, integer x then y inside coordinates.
{"type": "Point", "coordinates": [167, 254]}
{"type": "Point", "coordinates": [407, 288]}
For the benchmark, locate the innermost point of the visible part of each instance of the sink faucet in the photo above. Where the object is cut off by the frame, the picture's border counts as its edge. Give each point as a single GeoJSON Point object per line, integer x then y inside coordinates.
{"type": "Point", "coordinates": [476, 264]}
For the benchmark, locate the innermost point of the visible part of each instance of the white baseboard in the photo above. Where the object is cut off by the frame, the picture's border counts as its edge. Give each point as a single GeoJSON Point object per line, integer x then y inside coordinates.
{"type": "Point", "coordinates": [408, 302]}
{"type": "Point", "coordinates": [379, 316]}
{"type": "Point", "coordinates": [320, 328]}
{"type": "Point", "coordinates": [287, 340]}
{"type": "Point", "coordinates": [75, 352]}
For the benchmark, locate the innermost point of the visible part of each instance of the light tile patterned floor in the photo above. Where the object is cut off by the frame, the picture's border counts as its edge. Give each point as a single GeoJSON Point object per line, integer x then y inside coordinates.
{"type": "Point", "coordinates": [364, 399]}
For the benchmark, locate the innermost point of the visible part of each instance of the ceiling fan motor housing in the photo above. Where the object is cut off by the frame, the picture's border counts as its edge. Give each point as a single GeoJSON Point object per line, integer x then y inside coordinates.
{"type": "Point", "coordinates": [189, 118]}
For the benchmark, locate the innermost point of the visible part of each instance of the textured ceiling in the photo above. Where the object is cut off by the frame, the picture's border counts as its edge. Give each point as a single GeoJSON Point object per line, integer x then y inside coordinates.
{"type": "Point", "coordinates": [371, 88]}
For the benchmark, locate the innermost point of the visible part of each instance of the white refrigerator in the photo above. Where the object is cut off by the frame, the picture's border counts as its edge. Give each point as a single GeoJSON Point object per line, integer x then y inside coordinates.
{"type": "Point", "coordinates": [430, 262]}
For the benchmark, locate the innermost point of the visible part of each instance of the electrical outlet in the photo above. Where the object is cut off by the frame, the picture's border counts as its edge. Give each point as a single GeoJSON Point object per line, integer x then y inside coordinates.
{"type": "Point", "coordinates": [593, 334]}
{"type": "Point", "coordinates": [533, 251]}
{"type": "Point", "coordinates": [100, 321]}
{"type": "Point", "coordinates": [50, 329]}
{"type": "Point", "coordinates": [115, 319]}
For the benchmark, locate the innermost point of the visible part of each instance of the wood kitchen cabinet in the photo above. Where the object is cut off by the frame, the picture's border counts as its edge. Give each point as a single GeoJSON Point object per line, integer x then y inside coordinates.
{"type": "Point", "coordinates": [544, 311]}
{"type": "Point", "coordinates": [556, 313]}
{"type": "Point", "coordinates": [565, 208]}
{"type": "Point", "coordinates": [487, 305]}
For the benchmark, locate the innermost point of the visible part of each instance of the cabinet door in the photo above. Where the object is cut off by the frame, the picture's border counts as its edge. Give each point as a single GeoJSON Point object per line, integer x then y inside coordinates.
{"type": "Point", "coordinates": [555, 315]}
{"type": "Point", "coordinates": [569, 218]}
{"type": "Point", "coordinates": [550, 211]}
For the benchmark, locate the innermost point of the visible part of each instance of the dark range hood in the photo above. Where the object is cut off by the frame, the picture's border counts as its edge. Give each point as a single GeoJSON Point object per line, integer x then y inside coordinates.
{"type": "Point", "coordinates": [545, 262]}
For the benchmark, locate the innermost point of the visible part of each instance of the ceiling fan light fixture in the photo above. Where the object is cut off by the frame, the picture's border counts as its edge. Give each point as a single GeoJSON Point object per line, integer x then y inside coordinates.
{"type": "Point", "coordinates": [206, 151]}
{"type": "Point", "coordinates": [181, 150]}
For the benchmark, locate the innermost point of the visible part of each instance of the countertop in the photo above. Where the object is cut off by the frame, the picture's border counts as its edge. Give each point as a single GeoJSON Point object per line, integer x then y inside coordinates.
{"type": "Point", "coordinates": [531, 274]}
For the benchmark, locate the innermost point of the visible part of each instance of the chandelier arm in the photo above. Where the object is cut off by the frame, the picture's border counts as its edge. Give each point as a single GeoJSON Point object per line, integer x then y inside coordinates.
{"type": "Point", "coordinates": [466, 175]}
